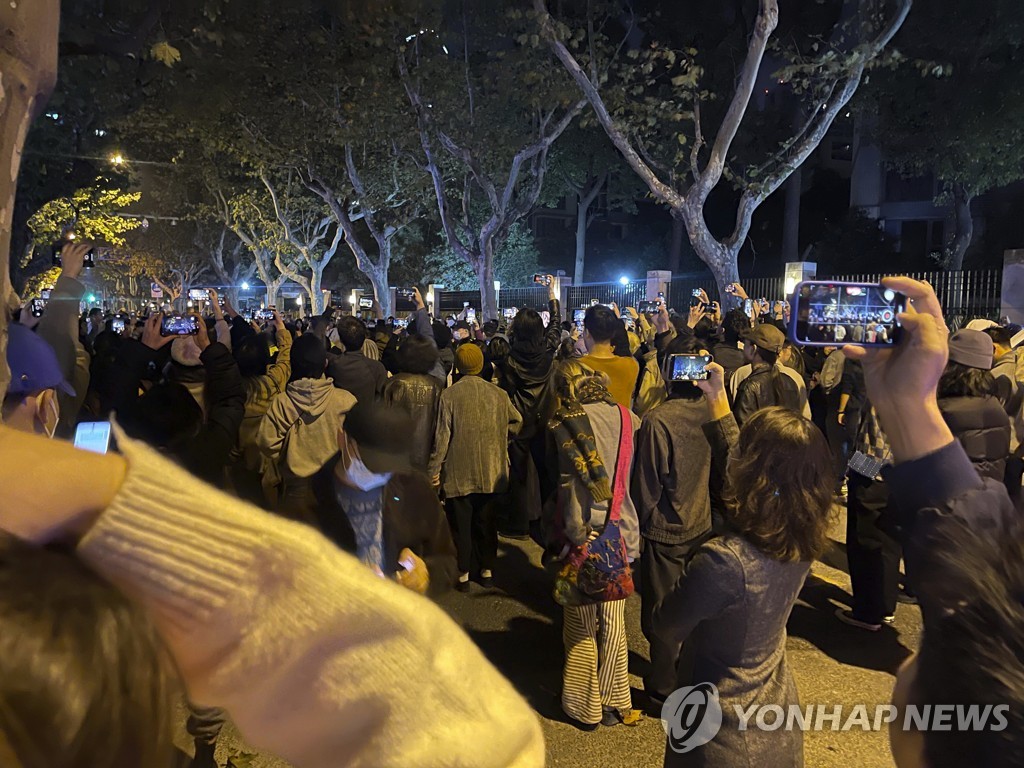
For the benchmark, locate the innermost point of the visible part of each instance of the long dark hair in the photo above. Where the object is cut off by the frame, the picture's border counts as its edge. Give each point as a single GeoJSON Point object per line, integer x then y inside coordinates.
{"type": "Point", "coordinates": [963, 381]}
{"type": "Point", "coordinates": [779, 493]}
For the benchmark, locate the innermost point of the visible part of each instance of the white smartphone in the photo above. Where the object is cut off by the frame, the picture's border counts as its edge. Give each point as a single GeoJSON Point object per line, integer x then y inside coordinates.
{"type": "Point", "coordinates": [93, 436]}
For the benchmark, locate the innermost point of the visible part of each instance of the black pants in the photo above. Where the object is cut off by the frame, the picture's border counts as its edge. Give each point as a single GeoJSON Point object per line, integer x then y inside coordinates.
{"type": "Point", "coordinates": [661, 565]}
{"type": "Point", "coordinates": [1014, 471]}
{"type": "Point", "coordinates": [841, 439]}
{"type": "Point", "coordinates": [872, 548]}
{"type": "Point", "coordinates": [475, 529]}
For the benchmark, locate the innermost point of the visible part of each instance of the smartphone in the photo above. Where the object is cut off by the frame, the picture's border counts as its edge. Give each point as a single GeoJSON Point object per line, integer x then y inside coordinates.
{"type": "Point", "coordinates": [37, 307]}
{"type": "Point", "coordinates": [730, 288]}
{"type": "Point", "coordinates": [647, 307]}
{"type": "Point", "coordinates": [577, 317]}
{"type": "Point", "coordinates": [198, 294]}
{"type": "Point", "coordinates": [470, 315]}
{"type": "Point", "coordinates": [117, 325]}
{"type": "Point", "coordinates": [179, 325]}
{"type": "Point", "coordinates": [542, 279]}
{"type": "Point", "coordinates": [401, 322]}
{"type": "Point", "coordinates": [93, 436]}
{"type": "Point", "coordinates": [406, 293]}
{"type": "Point", "coordinates": [366, 302]}
{"type": "Point", "coordinates": [89, 261]}
{"type": "Point", "coordinates": [629, 323]}
{"type": "Point", "coordinates": [689, 367]}
{"type": "Point", "coordinates": [748, 306]}
{"type": "Point", "coordinates": [856, 314]}
{"type": "Point", "coordinates": [696, 293]}
{"type": "Point", "coordinates": [508, 314]}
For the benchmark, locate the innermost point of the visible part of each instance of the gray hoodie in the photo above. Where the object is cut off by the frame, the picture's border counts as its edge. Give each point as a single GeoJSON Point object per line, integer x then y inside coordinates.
{"type": "Point", "coordinates": [300, 430]}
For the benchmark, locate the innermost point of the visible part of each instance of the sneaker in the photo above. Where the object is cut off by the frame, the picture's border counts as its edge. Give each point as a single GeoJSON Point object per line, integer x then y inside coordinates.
{"type": "Point", "coordinates": [629, 717]}
{"type": "Point", "coordinates": [890, 619]}
{"type": "Point", "coordinates": [463, 583]}
{"type": "Point", "coordinates": [486, 579]}
{"type": "Point", "coordinates": [847, 617]}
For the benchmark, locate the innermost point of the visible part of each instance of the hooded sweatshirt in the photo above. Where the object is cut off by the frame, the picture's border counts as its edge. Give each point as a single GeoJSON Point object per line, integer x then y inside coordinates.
{"type": "Point", "coordinates": [300, 431]}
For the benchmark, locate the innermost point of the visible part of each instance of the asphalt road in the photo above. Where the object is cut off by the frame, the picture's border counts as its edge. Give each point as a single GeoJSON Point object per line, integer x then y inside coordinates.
{"type": "Point", "coordinates": [517, 625]}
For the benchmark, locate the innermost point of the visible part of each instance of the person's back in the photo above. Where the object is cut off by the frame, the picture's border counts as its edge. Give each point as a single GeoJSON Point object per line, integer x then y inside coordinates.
{"type": "Point", "coordinates": [983, 429]}
{"type": "Point", "coordinates": [418, 394]}
{"type": "Point", "coordinates": [353, 371]}
{"type": "Point", "coordinates": [600, 328]}
{"type": "Point", "coordinates": [476, 458]}
{"type": "Point", "coordinates": [766, 386]}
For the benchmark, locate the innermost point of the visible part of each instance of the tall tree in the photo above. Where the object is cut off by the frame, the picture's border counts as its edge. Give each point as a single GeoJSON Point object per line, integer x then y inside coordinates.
{"type": "Point", "coordinates": [652, 98]}
{"type": "Point", "coordinates": [486, 120]}
{"type": "Point", "coordinates": [954, 107]}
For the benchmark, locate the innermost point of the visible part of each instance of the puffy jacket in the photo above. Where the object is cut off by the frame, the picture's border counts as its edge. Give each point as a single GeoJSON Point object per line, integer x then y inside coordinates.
{"type": "Point", "coordinates": [757, 391]}
{"type": "Point", "coordinates": [419, 395]}
{"type": "Point", "coordinates": [260, 392]}
{"type": "Point", "coordinates": [983, 429]}
{"type": "Point", "coordinates": [528, 376]}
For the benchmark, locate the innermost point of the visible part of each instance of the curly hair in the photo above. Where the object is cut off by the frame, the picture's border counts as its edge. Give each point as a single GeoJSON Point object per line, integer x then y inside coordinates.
{"type": "Point", "coordinates": [779, 492]}
{"type": "Point", "coordinates": [963, 381]}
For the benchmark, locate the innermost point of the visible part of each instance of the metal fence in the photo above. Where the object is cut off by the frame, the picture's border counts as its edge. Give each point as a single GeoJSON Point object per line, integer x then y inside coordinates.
{"type": "Point", "coordinates": [976, 293]}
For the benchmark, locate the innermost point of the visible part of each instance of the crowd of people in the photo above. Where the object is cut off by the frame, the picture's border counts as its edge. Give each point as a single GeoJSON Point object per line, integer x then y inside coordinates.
{"type": "Point", "coordinates": [285, 499]}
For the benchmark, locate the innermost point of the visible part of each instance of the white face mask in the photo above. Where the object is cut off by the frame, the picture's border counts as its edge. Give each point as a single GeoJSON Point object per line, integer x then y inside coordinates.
{"type": "Point", "coordinates": [360, 476]}
{"type": "Point", "coordinates": [55, 410]}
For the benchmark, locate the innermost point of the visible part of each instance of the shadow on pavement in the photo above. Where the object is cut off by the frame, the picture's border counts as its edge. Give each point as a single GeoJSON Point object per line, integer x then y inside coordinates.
{"type": "Point", "coordinates": [813, 620]}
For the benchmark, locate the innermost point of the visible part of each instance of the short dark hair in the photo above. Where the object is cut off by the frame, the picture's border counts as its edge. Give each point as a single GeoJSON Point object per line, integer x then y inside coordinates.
{"type": "Point", "coordinates": [442, 334]}
{"type": "Point", "coordinates": [734, 325]}
{"type": "Point", "coordinates": [351, 333]}
{"type": "Point", "coordinates": [309, 357]}
{"type": "Point", "coordinates": [601, 323]}
{"type": "Point", "coordinates": [319, 325]}
{"type": "Point", "coordinates": [252, 355]}
{"type": "Point", "coordinates": [963, 381]}
{"type": "Point", "coordinates": [780, 486]}
{"type": "Point", "coordinates": [972, 647]}
{"type": "Point", "coordinates": [620, 341]}
{"type": "Point", "coordinates": [1000, 335]}
{"type": "Point", "coordinates": [85, 681]}
{"type": "Point", "coordinates": [416, 355]}
{"type": "Point", "coordinates": [683, 345]}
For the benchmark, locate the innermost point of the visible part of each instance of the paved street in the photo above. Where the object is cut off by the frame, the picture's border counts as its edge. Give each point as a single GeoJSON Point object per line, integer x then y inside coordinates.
{"type": "Point", "coordinates": [518, 626]}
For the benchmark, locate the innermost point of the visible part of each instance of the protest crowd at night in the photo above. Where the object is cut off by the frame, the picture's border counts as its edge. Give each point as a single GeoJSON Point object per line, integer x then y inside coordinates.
{"type": "Point", "coordinates": [268, 521]}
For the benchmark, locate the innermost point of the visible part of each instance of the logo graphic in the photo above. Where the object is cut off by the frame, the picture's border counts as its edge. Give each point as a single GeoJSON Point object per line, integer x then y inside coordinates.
{"type": "Point", "coordinates": [691, 717]}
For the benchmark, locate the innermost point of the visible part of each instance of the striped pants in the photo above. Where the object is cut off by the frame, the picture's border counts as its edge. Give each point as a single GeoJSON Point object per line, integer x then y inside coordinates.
{"type": "Point", "coordinates": [596, 674]}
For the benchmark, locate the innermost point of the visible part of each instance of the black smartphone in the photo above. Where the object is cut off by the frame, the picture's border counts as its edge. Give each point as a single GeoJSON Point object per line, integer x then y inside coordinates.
{"type": "Point", "coordinates": [830, 314]}
{"type": "Point", "coordinates": [179, 325]}
{"type": "Point", "coordinates": [117, 325]}
{"type": "Point", "coordinates": [366, 302]}
{"type": "Point", "coordinates": [89, 261]}
{"type": "Point", "coordinates": [542, 279]}
{"type": "Point", "coordinates": [38, 306]}
{"type": "Point", "coordinates": [689, 367]}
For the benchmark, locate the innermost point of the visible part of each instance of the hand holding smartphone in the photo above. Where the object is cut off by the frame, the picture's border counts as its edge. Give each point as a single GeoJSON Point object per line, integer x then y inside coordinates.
{"type": "Point", "coordinates": [179, 325]}
{"type": "Point", "coordinates": [846, 314]}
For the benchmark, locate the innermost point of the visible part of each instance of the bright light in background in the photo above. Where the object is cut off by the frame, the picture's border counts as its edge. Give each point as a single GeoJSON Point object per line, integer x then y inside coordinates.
{"type": "Point", "coordinates": [118, 159]}
{"type": "Point", "coordinates": [623, 280]}
{"type": "Point", "coordinates": [190, 303]}
{"type": "Point", "coordinates": [790, 285]}
{"type": "Point", "coordinates": [353, 299]}
{"type": "Point", "coordinates": [430, 297]}
{"type": "Point", "coordinates": [72, 235]}
{"type": "Point", "coordinates": [91, 298]}
{"type": "Point", "coordinates": [245, 286]}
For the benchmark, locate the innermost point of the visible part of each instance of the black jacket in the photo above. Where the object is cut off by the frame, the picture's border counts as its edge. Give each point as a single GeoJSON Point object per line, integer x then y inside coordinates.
{"type": "Point", "coordinates": [413, 519]}
{"type": "Point", "coordinates": [528, 377]}
{"type": "Point", "coordinates": [419, 395]}
{"type": "Point", "coordinates": [758, 391]}
{"type": "Point", "coordinates": [729, 356]}
{"type": "Point", "coordinates": [983, 429]}
{"type": "Point", "coordinates": [363, 377]}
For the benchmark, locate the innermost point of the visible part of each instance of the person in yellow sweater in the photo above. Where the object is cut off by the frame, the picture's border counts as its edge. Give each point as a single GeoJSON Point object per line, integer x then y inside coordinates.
{"type": "Point", "coordinates": [315, 658]}
{"type": "Point", "coordinates": [600, 324]}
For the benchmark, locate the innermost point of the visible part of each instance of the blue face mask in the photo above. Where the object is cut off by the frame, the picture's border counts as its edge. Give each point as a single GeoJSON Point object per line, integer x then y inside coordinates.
{"type": "Point", "coordinates": [360, 476]}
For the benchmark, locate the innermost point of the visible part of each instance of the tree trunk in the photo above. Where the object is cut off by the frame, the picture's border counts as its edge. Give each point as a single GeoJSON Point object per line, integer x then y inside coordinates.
{"type": "Point", "coordinates": [316, 295]}
{"type": "Point", "coordinates": [488, 296]}
{"type": "Point", "coordinates": [28, 72]}
{"type": "Point", "coordinates": [675, 252]}
{"type": "Point", "coordinates": [582, 215]}
{"type": "Point", "coordinates": [962, 233]}
{"type": "Point", "coordinates": [378, 277]}
{"type": "Point", "coordinates": [791, 222]}
{"type": "Point", "coordinates": [722, 261]}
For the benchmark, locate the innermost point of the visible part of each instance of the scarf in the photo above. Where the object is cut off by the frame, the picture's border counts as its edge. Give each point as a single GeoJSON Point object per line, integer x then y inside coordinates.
{"type": "Point", "coordinates": [577, 446]}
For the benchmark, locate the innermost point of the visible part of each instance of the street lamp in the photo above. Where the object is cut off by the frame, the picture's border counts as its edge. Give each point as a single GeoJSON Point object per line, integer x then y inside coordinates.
{"type": "Point", "coordinates": [245, 286]}
{"type": "Point", "coordinates": [118, 159]}
{"type": "Point", "coordinates": [623, 280]}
